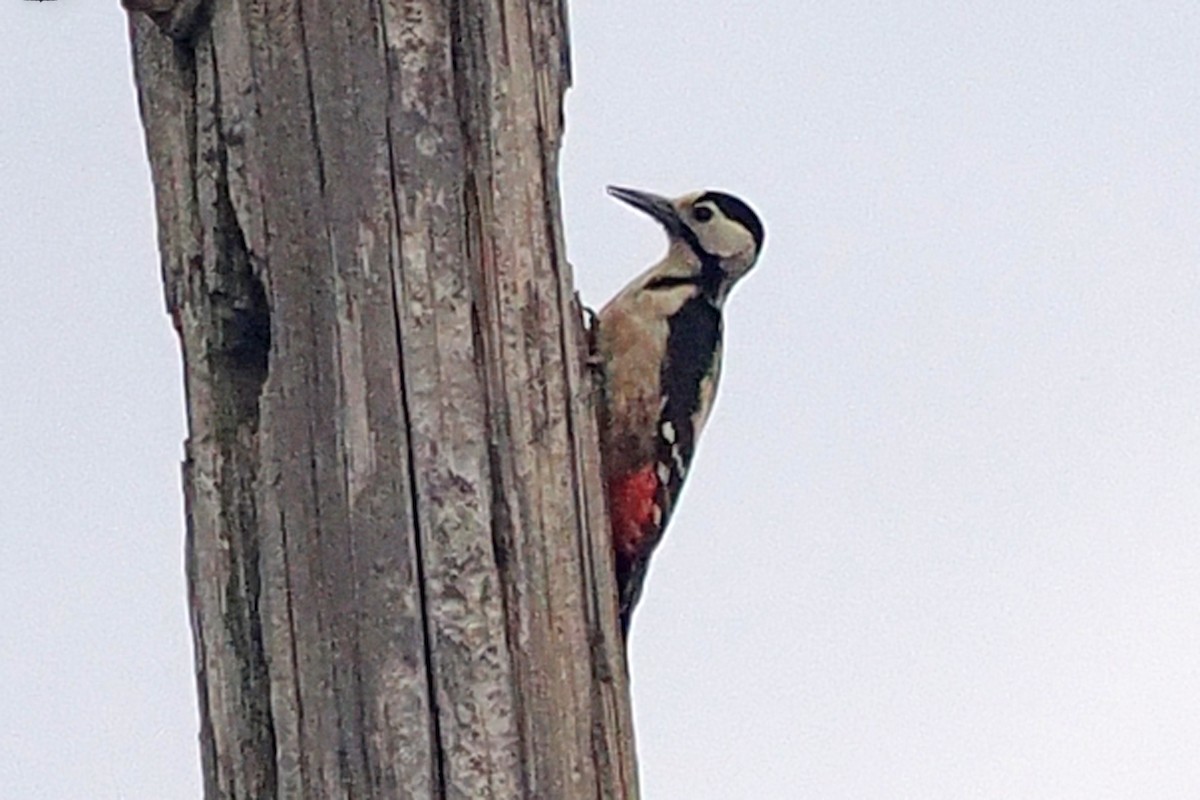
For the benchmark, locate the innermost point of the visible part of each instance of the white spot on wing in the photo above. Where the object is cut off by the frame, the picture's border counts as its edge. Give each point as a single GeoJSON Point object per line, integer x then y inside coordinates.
{"type": "Point", "coordinates": [663, 471]}
{"type": "Point", "coordinates": [668, 432]}
{"type": "Point", "coordinates": [680, 467]}
{"type": "Point", "coordinates": [708, 394]}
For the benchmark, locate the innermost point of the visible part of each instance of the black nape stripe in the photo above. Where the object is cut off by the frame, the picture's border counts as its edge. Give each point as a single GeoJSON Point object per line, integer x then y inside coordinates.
{"type": "Point", "coordinates": [739, 212]}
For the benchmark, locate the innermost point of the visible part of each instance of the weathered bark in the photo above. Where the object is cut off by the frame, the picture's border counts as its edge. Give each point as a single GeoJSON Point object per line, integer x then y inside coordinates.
{"type": "Point", "coordinates": [400, 584]}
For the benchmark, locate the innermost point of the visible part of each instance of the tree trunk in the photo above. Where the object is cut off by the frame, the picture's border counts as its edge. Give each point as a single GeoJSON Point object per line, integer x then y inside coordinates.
{"type": "Point", "coordinates": [396, 546]}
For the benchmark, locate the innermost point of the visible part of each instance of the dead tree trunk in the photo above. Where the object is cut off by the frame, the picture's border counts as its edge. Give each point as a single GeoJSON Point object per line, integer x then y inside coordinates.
{"type": "Point", "coordinates": [399, 577]}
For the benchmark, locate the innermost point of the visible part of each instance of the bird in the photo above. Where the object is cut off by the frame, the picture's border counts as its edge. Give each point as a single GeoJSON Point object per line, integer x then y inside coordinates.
{"type": "Point", "coordinates": [658, 345]}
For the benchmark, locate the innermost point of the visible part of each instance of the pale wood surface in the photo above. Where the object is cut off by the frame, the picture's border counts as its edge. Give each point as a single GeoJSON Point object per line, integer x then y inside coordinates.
{"type": "Point", "coordinates": [396, 549]}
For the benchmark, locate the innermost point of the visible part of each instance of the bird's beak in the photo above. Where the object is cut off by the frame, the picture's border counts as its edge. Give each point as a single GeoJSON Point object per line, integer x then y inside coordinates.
{"type": "Point", "coordinates": [658, 207]}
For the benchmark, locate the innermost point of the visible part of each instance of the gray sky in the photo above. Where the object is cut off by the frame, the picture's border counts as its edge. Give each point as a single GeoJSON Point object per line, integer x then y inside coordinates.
{"type": "Point", "coordinates": [941, 537]}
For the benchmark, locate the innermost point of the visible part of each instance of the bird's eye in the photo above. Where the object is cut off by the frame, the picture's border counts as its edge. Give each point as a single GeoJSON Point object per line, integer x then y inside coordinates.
{"type": "Point", "coordinates": [702, 213]}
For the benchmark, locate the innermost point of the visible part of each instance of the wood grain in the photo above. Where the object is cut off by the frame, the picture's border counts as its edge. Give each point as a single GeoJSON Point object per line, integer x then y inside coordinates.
{"type": "Point", "coordinates": [397, 548]}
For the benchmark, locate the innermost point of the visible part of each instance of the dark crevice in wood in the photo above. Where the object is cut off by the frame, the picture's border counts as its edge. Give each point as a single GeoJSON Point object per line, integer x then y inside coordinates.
{"type": "Point", "coordinates": [293, 633]}
{"type": "Point", "coordinates": [438, 748]}
{"type": "Point", "coordinates": [312, 102]}
{"type": "Point", "coordinates": [241, 346]}
{"type": "Point", "coordinates": [428, 634]}
{"type": "Point", "coordinates": [393, 489]}
{"type": "Point", "coordinates": [238, 363]}
{"type": "Point", "coordinates": [182, 20]}
{"type": "Point", "coordinates": [428, 627]}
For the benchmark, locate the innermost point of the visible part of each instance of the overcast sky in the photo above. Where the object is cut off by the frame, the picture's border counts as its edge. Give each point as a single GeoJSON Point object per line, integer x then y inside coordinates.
{"type": "Point", "coordinates": [941, 538]}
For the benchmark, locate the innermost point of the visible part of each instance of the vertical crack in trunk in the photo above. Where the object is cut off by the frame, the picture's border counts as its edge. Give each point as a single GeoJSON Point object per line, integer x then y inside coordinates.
{"type": "Point", "coordinates": [238, 362]}
{"type": "Point", "coordinates": [477, 692]}
{"type": "Point", "coordinates": [427, 624]}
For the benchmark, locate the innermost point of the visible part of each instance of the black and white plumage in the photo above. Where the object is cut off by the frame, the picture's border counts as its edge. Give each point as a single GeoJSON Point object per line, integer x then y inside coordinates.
{"type": "Point", "coordinates": [659, 340]}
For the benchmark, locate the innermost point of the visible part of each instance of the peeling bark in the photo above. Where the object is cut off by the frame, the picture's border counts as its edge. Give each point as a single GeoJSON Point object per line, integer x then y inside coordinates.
{"type": "Point", "coordinates": [397, 552]}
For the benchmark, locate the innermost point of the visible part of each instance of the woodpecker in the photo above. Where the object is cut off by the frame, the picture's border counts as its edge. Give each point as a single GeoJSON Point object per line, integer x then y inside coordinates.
{"type": "Point", "coordinates": [658, 342]}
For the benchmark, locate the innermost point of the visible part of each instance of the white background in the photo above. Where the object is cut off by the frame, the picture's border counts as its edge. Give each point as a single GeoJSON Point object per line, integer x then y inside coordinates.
{"type": "Point", "coordinates": [941, 539]}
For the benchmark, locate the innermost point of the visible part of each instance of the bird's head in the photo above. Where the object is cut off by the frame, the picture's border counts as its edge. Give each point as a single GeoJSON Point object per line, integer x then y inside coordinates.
{"type": "Point", "coordinates": [716, 234]}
